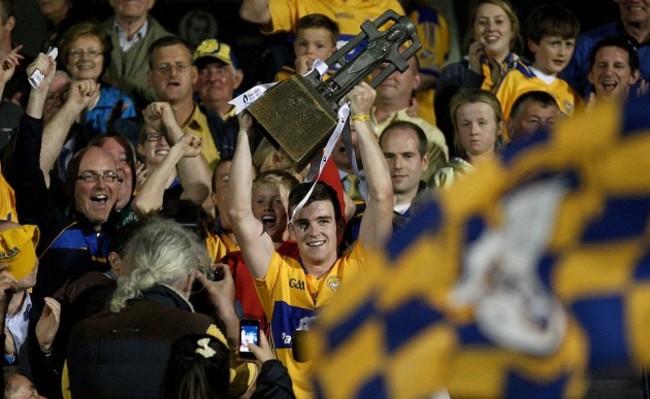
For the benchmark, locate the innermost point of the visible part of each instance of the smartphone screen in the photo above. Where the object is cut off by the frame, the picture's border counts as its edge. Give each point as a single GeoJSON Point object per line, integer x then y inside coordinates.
{"type": "Point", "coordinates": [249, 332]}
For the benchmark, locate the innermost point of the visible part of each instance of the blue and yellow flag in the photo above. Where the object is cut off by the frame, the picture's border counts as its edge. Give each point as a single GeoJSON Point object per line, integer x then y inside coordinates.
{"type": "Point", "coordinates": [516, 283]}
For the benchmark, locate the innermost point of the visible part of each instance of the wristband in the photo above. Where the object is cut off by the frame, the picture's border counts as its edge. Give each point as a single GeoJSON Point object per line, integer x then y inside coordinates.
{"type": "Point", "coordinates": [365, 117]}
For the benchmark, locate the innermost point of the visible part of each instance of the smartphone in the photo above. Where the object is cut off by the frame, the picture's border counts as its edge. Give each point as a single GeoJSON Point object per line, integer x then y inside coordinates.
{"type": "Point", "coordinates": [249, 332]}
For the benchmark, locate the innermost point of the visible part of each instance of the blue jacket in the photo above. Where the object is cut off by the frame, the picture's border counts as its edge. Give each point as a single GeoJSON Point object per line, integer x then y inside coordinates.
{"type": "Point", "coordinates": [112, 104]}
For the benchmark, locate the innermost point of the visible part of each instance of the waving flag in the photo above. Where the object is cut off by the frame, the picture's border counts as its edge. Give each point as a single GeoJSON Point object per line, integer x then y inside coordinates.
{"type": "Point", "coordinates": [516, 283]}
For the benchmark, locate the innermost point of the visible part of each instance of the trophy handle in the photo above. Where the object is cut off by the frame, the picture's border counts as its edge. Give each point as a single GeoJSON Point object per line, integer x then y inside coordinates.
{"type": "Point", "coordinates": [383, 46]}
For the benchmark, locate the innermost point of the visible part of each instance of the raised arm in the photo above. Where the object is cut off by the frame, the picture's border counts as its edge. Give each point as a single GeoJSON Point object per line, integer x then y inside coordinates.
{"type": "Point", "coordinates": [256, 245]}
{"type": "Point", "coordinates": [376, 223]}
{"type": "Point", "coordinates": [37, 96]}
{"type": "Point", "coordinates": [183, 157]}
{"type": "Point", "coordinates": [81, 95]}
{"type": "Point", "coordinates": [193, 170]}
{"type": "Point", "coordinates": [8, 66]}
{"type": "Point", "coordinates": [257, 12]}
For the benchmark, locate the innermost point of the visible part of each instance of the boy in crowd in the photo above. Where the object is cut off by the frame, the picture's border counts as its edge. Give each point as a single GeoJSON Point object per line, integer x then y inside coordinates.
{"type": "Point", "coordinates": [316, 37]}
{"type": "Point", "coordinates": [551, 31]}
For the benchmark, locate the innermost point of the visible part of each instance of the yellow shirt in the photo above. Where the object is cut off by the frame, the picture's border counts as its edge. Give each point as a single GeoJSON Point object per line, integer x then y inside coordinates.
{"type": "Point", "coordinates": [291, 297]}
{"type": "Point", "coordinates": [198, 126]}
{"type": "Point", "coordinates": [219, 246]}
{"type": "Point", "coordinates": [7, 201]}
{"type": "Point", "coordinates": [523, 80]}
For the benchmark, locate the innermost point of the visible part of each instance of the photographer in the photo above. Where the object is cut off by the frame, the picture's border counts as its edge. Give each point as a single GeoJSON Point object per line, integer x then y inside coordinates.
{"type": "Point", "coordinates": [150, 310]}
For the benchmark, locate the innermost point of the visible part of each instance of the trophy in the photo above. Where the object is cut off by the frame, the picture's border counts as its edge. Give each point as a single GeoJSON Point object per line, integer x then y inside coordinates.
{"type": "Point", "coordinates": [299, 114]}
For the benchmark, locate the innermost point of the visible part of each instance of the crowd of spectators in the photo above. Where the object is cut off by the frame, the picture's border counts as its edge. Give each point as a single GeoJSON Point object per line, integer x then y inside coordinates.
{"type": "Point", "coordinates": [128, 178]}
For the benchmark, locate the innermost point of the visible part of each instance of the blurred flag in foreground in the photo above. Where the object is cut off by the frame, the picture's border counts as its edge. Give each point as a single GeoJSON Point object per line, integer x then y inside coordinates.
{"type": "Point", "coordinates": [516, 283]}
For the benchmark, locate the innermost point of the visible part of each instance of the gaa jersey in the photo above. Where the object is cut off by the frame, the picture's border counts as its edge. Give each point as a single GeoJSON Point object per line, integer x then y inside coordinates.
{"type": "Point", "coordinates": [219, 245]}
{"type": "Point", "coordinates": [291, 299]}
{"type": "Point", "coordinates": [7, 201]}
{"type": "Point", "coordinates": [522, 80]}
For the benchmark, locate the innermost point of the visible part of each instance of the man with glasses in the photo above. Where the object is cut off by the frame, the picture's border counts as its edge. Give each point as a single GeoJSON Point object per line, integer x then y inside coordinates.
{"type": "Point", "coordinates": [73, 241]}
{"type": "Point", "coordinates": [172, 76]}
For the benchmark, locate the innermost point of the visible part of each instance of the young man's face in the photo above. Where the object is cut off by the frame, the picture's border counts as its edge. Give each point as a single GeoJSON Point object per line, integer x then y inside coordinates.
{"type": "Point", "coordinates": [314, 43]}
{"type": "Point", "coordinates": [400, 148]}
{"type": "Point", "coordinates": [611, 74]}
{"type": "Point", "coordinates": [173, 74]}
{"type": "Point", "coordinates": [315, 230]}
{"type": "Point", "coordinates": [552, 54]}
{"type": "Point", "coordinates": [270, 206]}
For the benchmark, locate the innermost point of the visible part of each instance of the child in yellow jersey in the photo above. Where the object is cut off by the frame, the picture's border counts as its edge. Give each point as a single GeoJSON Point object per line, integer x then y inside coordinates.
{"type": "Point", "coordinates": [551, 31]}
{"type": "Point", "coordinates": [316, 37]}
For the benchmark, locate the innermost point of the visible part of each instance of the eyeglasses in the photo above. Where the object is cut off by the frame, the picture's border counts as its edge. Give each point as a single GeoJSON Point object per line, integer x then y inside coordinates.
{"type": "Point", "coordinates": [93, 177]}
{"type": "Point", "coordinates": [78, 53]}
{"type": "Point", "coordinates": [153, 137]}
{"type": "Point", "coordinates": [165, 69]}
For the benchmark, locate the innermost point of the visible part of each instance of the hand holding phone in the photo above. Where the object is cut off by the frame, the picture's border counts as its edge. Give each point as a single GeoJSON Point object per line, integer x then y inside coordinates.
{"type": "Point", "coordinates": [249, 332]}
{"type": "Point", "coordinates": [37, 76]}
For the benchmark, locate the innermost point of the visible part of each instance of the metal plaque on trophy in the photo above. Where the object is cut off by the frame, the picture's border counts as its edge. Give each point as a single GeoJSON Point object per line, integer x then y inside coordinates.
{"type": "Point", "coordinates": [299, 114]}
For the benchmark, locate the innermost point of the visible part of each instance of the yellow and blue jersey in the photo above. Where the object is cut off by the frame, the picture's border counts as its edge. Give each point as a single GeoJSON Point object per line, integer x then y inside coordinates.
{"type": "Point", "coordinates": [291, 298]}
{"type": "Point", "coordinates": [522, 79]}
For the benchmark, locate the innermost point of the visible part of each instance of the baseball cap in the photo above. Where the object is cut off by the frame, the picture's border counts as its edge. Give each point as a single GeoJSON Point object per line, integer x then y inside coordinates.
{"type": "Point", "coordinates": [213, 49]}
{"type": "Point", "coordinates": [18, 249]}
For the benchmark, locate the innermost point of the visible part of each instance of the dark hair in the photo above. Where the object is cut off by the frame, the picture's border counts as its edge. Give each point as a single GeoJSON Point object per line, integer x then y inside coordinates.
{"type": "Point", "coordinates": [542, 98]}
{"type": "Point", "coordinates": [422, 137]}
{"type": "Point", "coordinates": [620, 42]}
{"type": "Point", "coordinates": [188, 214]}
{"type": "Point", "coordinates": [8, 373]}
{"type": "Point", "coordinates": [86, 28]}
{"type": "Point", "coordinates": [551, 20]}
{"type": "Point", "coordinates": [322, 192]}
{"type": "Point", "coordinates": [167, 41]}
{"type": "Point", "coordinates": [319, 21]}
{"type": "Point", "coordinates": [123, 235]}
{"type": "Point", "coordinates": [7, 9]}
{"type": "Point", "coordinates": [197, 371]}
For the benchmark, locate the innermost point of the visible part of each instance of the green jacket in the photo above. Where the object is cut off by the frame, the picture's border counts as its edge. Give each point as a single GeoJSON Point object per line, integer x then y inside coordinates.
{"type": "Point", "coordinates": [130, 69]}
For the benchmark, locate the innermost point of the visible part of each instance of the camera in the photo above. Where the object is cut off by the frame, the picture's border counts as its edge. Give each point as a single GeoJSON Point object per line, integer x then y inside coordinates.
{"type": "Point", "coordinates": [215, 274]}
